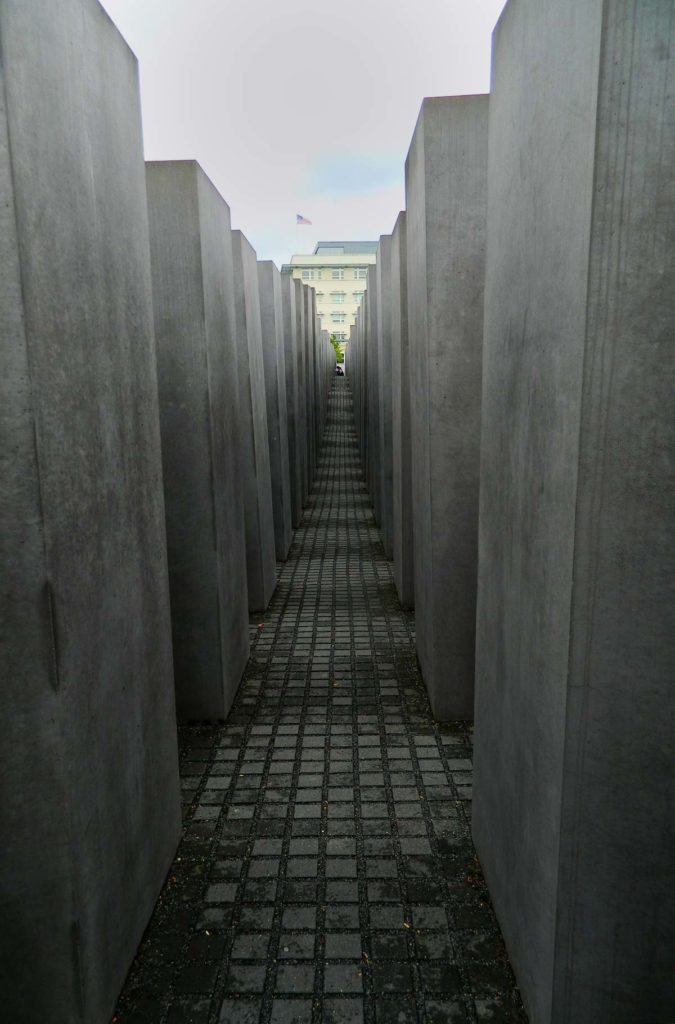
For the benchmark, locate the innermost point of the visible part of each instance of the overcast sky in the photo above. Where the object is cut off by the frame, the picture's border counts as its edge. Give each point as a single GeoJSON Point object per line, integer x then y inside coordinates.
{"type": "Point", "coordinates": [301, 106]}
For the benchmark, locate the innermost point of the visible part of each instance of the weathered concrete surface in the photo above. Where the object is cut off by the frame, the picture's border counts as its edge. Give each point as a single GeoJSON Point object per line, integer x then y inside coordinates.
{"type": "Point", "coordinates": [371, 393]}
{"type": "Point", "coordinates": [300, 311]}
{"type": "Point", "coordinates": [321, 339]}
{"type": "Point", "coordinates": [288, 297]}
{"type": "Point", "coordinates": [255, 454]}
{"type": "Point", "coordinates": [576, 613]}
{"type": "Point", "coordinates": [309, 328]}
{"type": "Point", "coordinates": [364, 380]}
{"type": "Point", "coordinates": [272, 319]}
{"type": "Point", "coordinates": [355, 370]}
{"type": "Point", "coordinates": [329, 364]}
{"type": "Point", "coordinates": [90, 800]}
{"type": "Point", "coordinates": [402, 519]}
{"type": "Point", "coordinates": [362, 377]}
{"type": "Point", "coordinates": [383, 342]}
{"type": "Point", "coordinates": [446, 174]}
{"type": "Point", "coordinates": [193, 300]}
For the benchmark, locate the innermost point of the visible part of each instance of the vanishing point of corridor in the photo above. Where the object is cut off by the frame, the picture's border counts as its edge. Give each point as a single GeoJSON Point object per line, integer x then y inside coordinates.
{"type": "Point", "coordinates": [326, 871]}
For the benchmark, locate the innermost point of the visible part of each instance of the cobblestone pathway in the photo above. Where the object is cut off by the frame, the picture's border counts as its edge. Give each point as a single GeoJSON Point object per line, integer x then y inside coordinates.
{"type": "Point", "coordinates": [326, 871]}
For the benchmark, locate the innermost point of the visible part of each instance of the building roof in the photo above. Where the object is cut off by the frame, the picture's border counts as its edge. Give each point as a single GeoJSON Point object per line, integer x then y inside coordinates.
{"type": "Point", "coordinates": [333, 254]}
{"type": "Point", "coordinates": [337, 248]}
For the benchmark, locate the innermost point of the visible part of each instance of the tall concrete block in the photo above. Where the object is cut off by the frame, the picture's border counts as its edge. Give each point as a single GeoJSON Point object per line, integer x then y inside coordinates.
{"type": "Point", "coordinates": [321, 337]}
{"type": "Point", "coordinates": [309, 328]}
{"type": "Point", "coordinates": [272, 318]}
{"type": "Point", "coordinates": [383, 341]}
{"type": "Point", "coordinates": [90, 813]}
{"type": "Point", "coordinates": [193, 299]}
{"type": "Point", "coordinates": [317, 379]}
{"type": "Point", "coordinates": [446, 173]}
{"type": "Point", "coordinates": [372, 393]}
{"type": "Point", "coordinates": [300, 308]}
{"type": "Point", "coordinates": [363, 374]}
{"type": "Point", "coordinates": [574, 785]}
{"type": "Point", "coordinates": [353, 371]}
{"type": "Point", "coordinates": [255, 452]}
{"type": "Point", "coordinates": [328, 363]}
{"type": "Point", "coordinates": [288, 297]}
{"type": "Point", "coordinates": [402, 519]}
{"type": "Point", "coordinates": [363, 382]}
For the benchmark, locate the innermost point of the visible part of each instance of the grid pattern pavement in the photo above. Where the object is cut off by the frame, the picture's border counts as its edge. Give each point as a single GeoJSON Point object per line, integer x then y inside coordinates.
{"type": "Point", "coordinates": [326, 871]}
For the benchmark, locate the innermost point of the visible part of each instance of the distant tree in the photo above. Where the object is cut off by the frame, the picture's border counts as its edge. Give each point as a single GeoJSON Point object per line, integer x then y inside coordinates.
{"type": "Point", "coordinates": [339, 354]}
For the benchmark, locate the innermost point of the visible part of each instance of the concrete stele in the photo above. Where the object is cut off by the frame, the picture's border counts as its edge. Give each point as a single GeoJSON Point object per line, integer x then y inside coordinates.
{"type": "Point", "coordinates": [384, 397]}
{"type": "Point", "coordinates": [574, 784]}
{"type": "Point", "coordinates": [300, 312]}
{"type": "Point", "coordinates": [374, 464]}
{"type": "Point", "coordinates": [402, 523]}
{"type": "Point", "coordinates": [288, 297]}
{"type": "Point", "coordinates": [193, 300]}
{"type": "Point", "coordinates": [255, 462]}
{"type": "Point", "coordinates": [90, 793]}
{"type": "Point", "coordinates": [446, 174]}
{"type": "Point", "coordinates": [272, 319]}
{"type": "Point", "coordinates": [309, 328]}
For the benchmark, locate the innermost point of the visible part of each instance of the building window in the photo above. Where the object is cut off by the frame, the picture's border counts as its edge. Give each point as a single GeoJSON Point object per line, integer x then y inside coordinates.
{"type": "Point", "coordinates": [358, 296]}
{"type": "Point", "coordinates": [361, 273]}
{"type": "Point", "coordinates": [338, 318]}
{"type": "Point", "coordinates": [311, 275]}
{"type": "Point", "coordinates": [338, 275]}
{"type": "Point", "coordinates": [340, 336]}
{"type": "Point", "coordinates": [337, 296]}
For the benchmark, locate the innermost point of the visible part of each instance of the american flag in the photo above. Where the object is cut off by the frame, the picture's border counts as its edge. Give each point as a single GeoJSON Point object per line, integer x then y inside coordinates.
{"type": "Point", "coordinates": [299, 219]}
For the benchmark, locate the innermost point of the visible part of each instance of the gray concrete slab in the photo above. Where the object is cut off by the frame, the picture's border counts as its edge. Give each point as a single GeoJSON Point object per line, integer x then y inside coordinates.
{"type": "Point", "coordinates": [383, 341]}
{"type": "Point", "coordinates": [446, 174]}
{"type": "Point", "coordinates": [364, 370]}
{"type": "Point", "coordinates": [356, 370]}
{"type": "Point", "coordinates": [370, 329]}
{"type": "Point", "coordinates": [320, 338]}
{"type": "Point", "coordinates": [90, 813]}
{"type": "Point", "coordinates": [329, 365]}
{"type": "Point", "coordinates": [352, 370]}
{"type": "Point", "coordinates": [309, 329]}
{"type": "Point", "coordinates": [363, 381]}
{"type": "Point", "coordinates": [288, 297]}
{"type": "Point", "coordinates": [402, 521]}
{"type": "Point", "coordinates": [272, 319]}
{"type": "Point", "coordinates": [256, 474]}
{"type": "Point", "coordinates": [193, 300]}
{"type": "Point", "coordinates": [300, 310]}
{"type": "Point", "coordinates": [574, 784]}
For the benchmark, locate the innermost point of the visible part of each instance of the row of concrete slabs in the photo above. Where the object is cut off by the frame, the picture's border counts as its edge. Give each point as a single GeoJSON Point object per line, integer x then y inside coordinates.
{"type": "Point", "coordinates": [162, 397]}
{"type": "Point", "coordinates": [513, 368]}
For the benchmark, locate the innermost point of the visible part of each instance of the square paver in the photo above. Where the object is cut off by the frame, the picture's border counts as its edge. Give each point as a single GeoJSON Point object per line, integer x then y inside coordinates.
{"type": "Point", "coordinates": [295, 978]}
{"type": "Point", "coordinates": [343, 946]}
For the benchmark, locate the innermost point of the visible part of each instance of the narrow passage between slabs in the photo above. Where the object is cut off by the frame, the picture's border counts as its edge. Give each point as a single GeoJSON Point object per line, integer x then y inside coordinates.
{"type": "Point", "coordinates": [326, 871]}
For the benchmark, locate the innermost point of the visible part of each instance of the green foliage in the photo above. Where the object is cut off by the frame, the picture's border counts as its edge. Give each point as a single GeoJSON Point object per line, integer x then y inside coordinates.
{"type": "Point", "coordinates": [339, 354]}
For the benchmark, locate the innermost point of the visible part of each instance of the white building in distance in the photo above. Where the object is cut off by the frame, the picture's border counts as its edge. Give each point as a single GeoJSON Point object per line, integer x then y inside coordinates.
{"type": "Point", "coordinates": [337, 272]}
